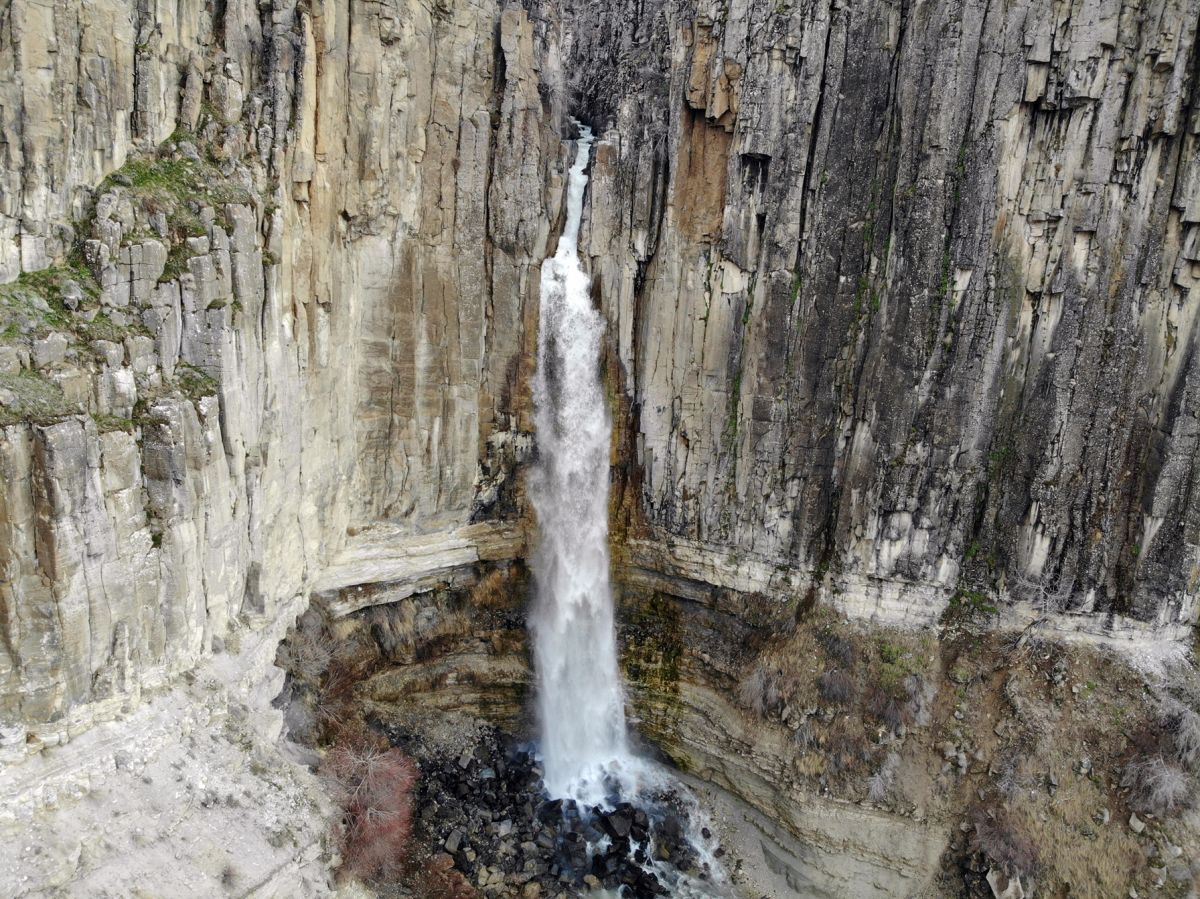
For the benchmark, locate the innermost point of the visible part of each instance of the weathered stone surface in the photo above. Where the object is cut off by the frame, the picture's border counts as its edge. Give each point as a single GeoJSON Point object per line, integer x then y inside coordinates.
{"type": "Point", "coordinates": [333, 331]}
{"type": "Point", "coordinates": [901, 296]}
{"type": "Point", "coordinates": [863, 337]}
{"type": "Point", "coordinates": [902, 302]}
{"type": "Point", "coordinates": [308, 316]}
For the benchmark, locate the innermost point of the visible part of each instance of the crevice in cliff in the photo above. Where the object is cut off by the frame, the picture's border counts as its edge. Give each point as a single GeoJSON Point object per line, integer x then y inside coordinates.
{"type": "Point", "coordinates": [813, 137]}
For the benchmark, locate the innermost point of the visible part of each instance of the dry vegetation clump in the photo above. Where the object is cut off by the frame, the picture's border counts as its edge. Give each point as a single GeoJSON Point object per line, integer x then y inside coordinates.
{"type": "Point", "coordinates": [437, 878]}
{"type": "Point", "coordinates": [324, 672]}
{"type": "Point", "coordinates": [836, 687]}
{"type": "Point", "coordinates": [882, 782]}
{"type": "Point", "coordinates": [1004, 842]}
{"type": "Point", "coordinates": [759, 691]}
{"type": "Point", "coordinates": [847, 748]}
{"type": "Point", "coordinates": [1157, 786]}
{"type": "Point", "coordinates": [891, 711]}
{"type": "Point", "coordinates": [416, 628]}
{"type": "Point", "coordinates": [1043, 747]}
{"type": "Point", "coordinates": [784, 675]}
{"type": "Point", "coordinates": [372, 783]}
{"type": "Point", "coordinates": [1078, 854]}
{"type": "Point", "coordinates": [1183, 738]}
{"type": "Point", "coordinates": [837, 648]}
{"type": "Point", "coordinates": [500, 589]}
{"type": "Point", "coordinates": [1156, 772]}
{"type": "Point", "coordinates": [833, 684]}
{"type": "Point", "coordinates": [767, 690]}
{"type": "Point", "coordinates": [306, 654]}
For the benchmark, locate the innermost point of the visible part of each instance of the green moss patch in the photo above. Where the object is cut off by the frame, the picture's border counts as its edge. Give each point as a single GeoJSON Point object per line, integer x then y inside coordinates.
{"type": "Point", "coordinates": [33, 305]}
{"type": "Point", "coordinates": [38, 400]}
{"type": "Point", "coordinates": [651, 655]}
{"type": "Point", "coordinates": [180, 189]}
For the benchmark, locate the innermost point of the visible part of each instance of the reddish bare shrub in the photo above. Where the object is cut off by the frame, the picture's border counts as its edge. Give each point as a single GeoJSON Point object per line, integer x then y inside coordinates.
{"type": "Point", "coordinates": [372, 782]}
{"type": "Point", "coordinates": [836, 686]}
{"type": "Point", "coordinates": [333, 702]}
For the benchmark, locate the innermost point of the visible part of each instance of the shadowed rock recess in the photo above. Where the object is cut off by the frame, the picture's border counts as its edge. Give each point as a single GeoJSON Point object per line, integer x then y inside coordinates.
{"type": "Point", "coordinates": [902, 360]}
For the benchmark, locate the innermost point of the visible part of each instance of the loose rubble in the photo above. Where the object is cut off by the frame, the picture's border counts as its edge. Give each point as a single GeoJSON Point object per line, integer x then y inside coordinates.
{"type": "Point", "coordinates": [485, 808]}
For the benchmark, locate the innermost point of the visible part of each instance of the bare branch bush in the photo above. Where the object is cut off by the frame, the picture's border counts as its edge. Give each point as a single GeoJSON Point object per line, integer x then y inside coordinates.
{"type": "Point", "coordinates": [1157, 786]}
{"type": "Point", "coordinates": [1183, 738]}
{"type": "Point", "coordinates": [372, 782]}
{"type": "Point", "coordinates": [998, 837]}
{"type": "Point", "coordinates": [836, 686]}
{"type": "Point", "coordinates": [881, 783]}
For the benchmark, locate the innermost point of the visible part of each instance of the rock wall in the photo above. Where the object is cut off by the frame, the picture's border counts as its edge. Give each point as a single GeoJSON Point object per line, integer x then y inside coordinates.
{"type": "Point", "coordinates": [270, 277]}
{"type": "Point", "coordinates": [903, 295]}
{"type": "Point", "coordinates": [903, 309]}
{"type": "Point", "coordinates": [902, 303]}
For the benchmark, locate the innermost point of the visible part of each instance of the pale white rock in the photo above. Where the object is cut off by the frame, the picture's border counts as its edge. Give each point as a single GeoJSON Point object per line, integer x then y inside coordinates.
{"type": "Point", "coordinates": [50, 351]}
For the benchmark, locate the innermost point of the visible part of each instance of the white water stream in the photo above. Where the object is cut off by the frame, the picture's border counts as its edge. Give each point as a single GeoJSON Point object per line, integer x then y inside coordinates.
{"type": "Point", "coordinates": [585, 752]}
{"type": "Point", "coordinates": [581, 703]}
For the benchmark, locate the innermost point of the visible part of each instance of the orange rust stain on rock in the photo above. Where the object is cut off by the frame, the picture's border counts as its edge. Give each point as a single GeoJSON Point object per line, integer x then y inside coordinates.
{"type": "Point", "coordinates": [701, 180]}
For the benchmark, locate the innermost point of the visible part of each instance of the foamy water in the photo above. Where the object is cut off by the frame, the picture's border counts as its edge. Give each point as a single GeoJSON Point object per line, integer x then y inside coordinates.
{"type": "Point", "coordinates": [580, 700]}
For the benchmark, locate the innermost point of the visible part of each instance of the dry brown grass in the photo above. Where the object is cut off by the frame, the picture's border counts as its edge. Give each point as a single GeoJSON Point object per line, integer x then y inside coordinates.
{"type": "Point", "coordinates": [1041, 735]}
{"type": "Point", "coordinates": [836, 687]}
{"type": "Point", "coordinates": [1183, 729]}
{"type": "Point", "coordinates": [833, 684]}
{"type": "Point", "coordinates": [1005, 841]}
{"type": "Point", "coordinates": [499, 589]}
{"type": "Point", "coordinates": [1157, 786]}
{"type": "Point", "coordinates": [438, 879]}
{"type": "Point", "coordinates": [1075, 850]}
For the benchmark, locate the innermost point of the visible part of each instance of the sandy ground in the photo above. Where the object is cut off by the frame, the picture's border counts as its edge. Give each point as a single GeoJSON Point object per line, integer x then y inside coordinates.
{"type": "Point", "coordinates": [189, 794]}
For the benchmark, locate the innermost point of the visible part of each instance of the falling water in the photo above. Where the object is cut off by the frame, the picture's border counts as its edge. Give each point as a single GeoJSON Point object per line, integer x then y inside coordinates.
{"type": "Point", "coordinates": [580, 701]}
{"type": "Point", "coordinates": [584, 749]}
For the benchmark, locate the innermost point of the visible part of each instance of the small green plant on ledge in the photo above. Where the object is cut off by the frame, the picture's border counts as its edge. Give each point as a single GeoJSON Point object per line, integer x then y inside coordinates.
{"type": "Point", "coordinates": [194, 383]}
{"type": "Point", "coordinates": [968, 606]}
{"type": "Point", "coordinates": [106, 423]}
{"type": "Point", "coordinates": [33, 304]}
{"type": "Point", "coordinates": [179, 187]}
{"type": "Point", "coordinates": [32, 398]}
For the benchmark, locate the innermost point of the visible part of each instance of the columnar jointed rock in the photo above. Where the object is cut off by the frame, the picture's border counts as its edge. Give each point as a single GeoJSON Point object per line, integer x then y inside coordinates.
{"type": "Point", "coordinates": [902, 297]}
{"type": "Point", "coordinates": [306, 313]}
{"type": "Point", "coordinates": [903, 294]}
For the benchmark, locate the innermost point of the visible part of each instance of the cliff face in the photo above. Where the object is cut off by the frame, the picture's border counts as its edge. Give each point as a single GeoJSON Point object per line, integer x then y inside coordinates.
{"type": "Point", "coordinates": [902, 304]}
{"type": "Point", "coordinates": [277, 286]}
{"type": "Point", "coordinates": [904, 296]}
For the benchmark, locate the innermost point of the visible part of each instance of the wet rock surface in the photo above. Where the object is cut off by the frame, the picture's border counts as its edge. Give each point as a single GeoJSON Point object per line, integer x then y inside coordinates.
{"type": "Point", "coordinates": [482, 804]}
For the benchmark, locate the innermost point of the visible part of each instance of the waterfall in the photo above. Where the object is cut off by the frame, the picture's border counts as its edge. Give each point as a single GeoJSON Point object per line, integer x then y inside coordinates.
{"type": "Point", "coordinates": [580, 701]}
